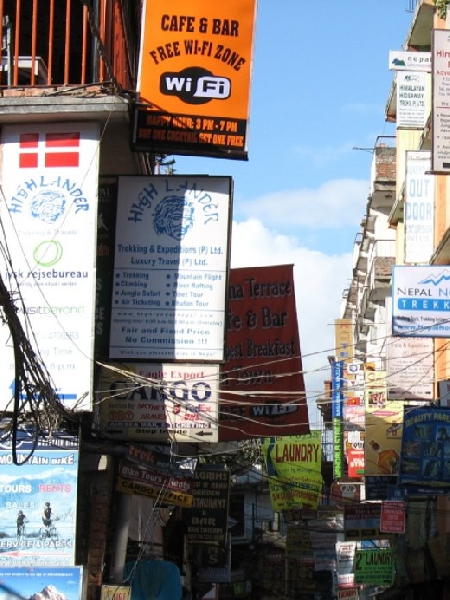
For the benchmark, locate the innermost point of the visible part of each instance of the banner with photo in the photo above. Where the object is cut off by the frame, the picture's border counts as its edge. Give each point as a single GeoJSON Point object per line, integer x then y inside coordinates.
{"type": "Point", "coordinates": [383, 427]}
{"type": "Point", "coordinates": [38, 501]}
{"type": "Point", "coordinates": [425, 450]}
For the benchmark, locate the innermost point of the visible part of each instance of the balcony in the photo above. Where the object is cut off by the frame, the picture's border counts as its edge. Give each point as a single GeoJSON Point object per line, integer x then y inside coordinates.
{"type": "Point", "coordinates": [68, 43]}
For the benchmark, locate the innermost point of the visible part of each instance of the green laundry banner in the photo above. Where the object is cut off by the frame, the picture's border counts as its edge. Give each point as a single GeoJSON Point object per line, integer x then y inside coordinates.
{"type": "Point", "coordinates": [374, 567]}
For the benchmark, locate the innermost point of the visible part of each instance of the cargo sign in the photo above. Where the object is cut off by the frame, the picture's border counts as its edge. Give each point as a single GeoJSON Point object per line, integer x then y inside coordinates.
{"type": "Point", "coordinates": [194, 78]}
{"type": "Point", "coordinates": [159, 402]}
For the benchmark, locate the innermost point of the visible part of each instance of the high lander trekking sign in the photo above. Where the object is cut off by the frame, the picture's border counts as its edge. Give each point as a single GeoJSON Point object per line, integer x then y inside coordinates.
{"type": "Point", "coordinates": [194, 78]}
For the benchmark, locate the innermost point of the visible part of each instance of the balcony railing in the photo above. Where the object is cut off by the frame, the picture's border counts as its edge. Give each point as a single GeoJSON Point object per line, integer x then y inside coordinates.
{"type": "Point", "coordinates": [68, 42]}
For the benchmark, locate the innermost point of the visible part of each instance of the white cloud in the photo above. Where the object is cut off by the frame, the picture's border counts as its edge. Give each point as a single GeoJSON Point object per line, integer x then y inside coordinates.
{"type": "Point", "coordinates": [319, 282]}
{"type": "Point", "coordinates": [334, 204]}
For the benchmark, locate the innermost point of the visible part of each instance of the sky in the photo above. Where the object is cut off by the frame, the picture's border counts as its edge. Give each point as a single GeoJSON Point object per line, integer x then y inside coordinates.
{"type": "Point", "coordinates": [320, 85]}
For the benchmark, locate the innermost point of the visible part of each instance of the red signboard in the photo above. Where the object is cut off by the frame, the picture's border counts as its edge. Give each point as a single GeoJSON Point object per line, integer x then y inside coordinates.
{"type": "Point", "coordinates": [262, 386]}
{"type": "Point", "coordinates": [392, 517]}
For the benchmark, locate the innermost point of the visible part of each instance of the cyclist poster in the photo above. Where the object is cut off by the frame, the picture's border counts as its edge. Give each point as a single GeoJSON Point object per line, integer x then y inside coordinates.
{"type": "Point", "coordinates": [38, 501]}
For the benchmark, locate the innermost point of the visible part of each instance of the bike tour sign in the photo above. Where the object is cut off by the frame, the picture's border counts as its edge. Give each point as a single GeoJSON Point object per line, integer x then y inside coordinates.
{"type": "Point", "coordinates": [38, 494]}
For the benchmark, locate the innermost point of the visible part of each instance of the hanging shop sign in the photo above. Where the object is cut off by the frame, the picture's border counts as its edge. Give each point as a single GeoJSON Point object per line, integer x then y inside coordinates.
{"type": "Point", "coordinates": [170, 268]}
{"type": "Point", "coordinates": [194, 78]}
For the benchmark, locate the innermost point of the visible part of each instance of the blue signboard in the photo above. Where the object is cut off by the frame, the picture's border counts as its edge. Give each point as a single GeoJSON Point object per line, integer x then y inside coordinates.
{"type": "Point", "coordinates": [38, 582]}
{"type": "Point", "coordinates": [425, 453]}
{"type": "Point", "coordinates": [38, 497]}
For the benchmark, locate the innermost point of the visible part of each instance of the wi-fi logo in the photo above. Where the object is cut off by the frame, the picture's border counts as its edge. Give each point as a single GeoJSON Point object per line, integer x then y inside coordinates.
{"type": "Point", "coordinates": [195, 85]}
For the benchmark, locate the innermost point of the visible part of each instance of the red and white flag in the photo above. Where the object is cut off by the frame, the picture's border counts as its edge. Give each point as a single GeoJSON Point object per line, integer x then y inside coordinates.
{"type": "Point", "coordinates": [49, 150]}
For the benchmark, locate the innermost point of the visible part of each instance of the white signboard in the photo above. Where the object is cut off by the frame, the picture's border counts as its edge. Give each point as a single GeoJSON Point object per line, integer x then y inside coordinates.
{"type": "Point", "coordinates": [171, 266]}
{"type": "Point", "coordinates": [441, 101]}
{"type": "Point", "coordinates": [419, 207]}
{"type": "Point", "coordinates": [345, 552]}
{"type": "Point", "coordinates": [411, 99]}
{"type": "Point", "coordinates": [50, 179]}
{"type": "Point", "coordinates": [410, 365]}
{"type": "Point", "coordinates": [409, 61]}
{"type": "Point", "coordinates": [160, 402]}
{"type": "Point", "coordinates": [421, 301]}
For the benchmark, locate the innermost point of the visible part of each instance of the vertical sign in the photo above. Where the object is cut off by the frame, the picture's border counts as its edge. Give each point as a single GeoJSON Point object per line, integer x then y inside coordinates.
{"type": "Point", "coordinates": [49, 181]}
{"type": "Point", "coordinates": [293, 464]}
{"type": "Point", "coordinates": [194, 76]}
{"type": "Point", "coordinates": [336, 412]}
{"type": "Point", "coordinates": [171, 268]}
{"type": "Point", "coordinates": [411, 99]}
{"type": "Point", "coordinates": [419, 207]}
{"type": "Point", "coordinates": [38, 499]}
{"type": "Point", "coordinates": [440, 149]}
{"type": "Point", "coordinates": [207, 519]}
{"type": "Point", "coordinates": [263, 356]}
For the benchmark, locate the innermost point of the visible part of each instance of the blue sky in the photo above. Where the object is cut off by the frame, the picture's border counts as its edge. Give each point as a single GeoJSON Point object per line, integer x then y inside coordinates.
{"type": "Point", "coordinates": [320, 85]}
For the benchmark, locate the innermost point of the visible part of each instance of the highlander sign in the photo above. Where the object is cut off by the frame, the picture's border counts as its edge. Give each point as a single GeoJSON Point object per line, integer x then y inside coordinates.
{"type": "Point", "coordinates": [194, 78]}
{"type": "Point", "coordinates": [49, 187]}
{"type": "Point", "coordinates": [170, 268]}
{"type": "Point", "coordinates": [421, 301]}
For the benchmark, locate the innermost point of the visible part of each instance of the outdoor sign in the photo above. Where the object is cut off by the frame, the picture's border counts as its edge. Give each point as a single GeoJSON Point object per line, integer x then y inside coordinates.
{"type": "Point", "coordinates": [392, 517]}
{"type": "Point", "coordinates": [383, 427]}
{"type": "Point", "coordinates": [194, 78]}
{"type": "Point", "coordinates": [38, 582]}
{"type": "Point", "coordinates": [412, 91]}
{"type": "Point", "coordinates": [263, 357]}
{"type": "Point", "coordinates": [106, 223]}
{"type": "Point", "coordinates": [159, 402]}
{"type": "Point", "coordinates": [148, 482]}
{"type": "Point", "coordinates": [425, 454]}
{"type": "Point", "coordinates": [115, 592]}
{"type": "Point", "coordinates": [440, 128]}
{"type": "Point", "coordinates": [419, 207]}
{"type": "Point", "coordinates": [38, 501]}
{"type": "Point", "coordinates": [374, 567]}
{"type": "Point", "coordinates": [348, 593]}
{"type": "Point", "coordinates": [421, 301]}
{"type": "Point", "coordinates": [49, 185]}
{"type": "Point", "coordinates": [400, 60]}
{"type": "Point", "coordinates": [345, 553]}
{"type": "Point", "coordinates": [410, 368]}
{"type": "Point", "coordinates": [293, 465]}
{"type": "Point", "coordinates": [444, 392]}
{"type": "Point", "coordinates": [355, 462]}
{"type": "Point", "coordinates": [362, 521]}
{"type": "Point", "coordinates": [337, 385]}
{"type": "Point", "coordinates": [207, 519]}
{"type": "Point", "coordinates": [171, 268]}
{"type": "Point", "coordinates": [345, 491]}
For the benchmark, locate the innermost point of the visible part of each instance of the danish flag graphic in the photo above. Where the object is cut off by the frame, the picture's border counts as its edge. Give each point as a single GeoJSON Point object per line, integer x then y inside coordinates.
{"type": "Point", "coordinates": [53, 150]}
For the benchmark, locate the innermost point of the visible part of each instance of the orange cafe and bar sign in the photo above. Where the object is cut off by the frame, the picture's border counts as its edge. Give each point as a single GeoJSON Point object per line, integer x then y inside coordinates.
{"type": "Point", "coordinates": [194, 78]}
